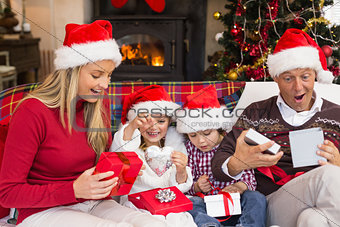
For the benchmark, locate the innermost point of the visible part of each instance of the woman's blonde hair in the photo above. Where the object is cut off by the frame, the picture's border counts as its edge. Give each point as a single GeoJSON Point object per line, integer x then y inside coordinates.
{"type": "Point", "coordinates": [59, 90]}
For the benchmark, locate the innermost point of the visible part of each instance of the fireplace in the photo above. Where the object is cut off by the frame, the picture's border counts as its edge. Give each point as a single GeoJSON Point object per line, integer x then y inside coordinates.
{"type": "Point", "coordinates": [152, 47]}
{"type": "Point", "coordinates": [166, 46]}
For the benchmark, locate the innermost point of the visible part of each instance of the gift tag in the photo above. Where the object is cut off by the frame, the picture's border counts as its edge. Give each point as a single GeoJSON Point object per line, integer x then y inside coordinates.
{"type": "Point", "coordinates": [159, 159]}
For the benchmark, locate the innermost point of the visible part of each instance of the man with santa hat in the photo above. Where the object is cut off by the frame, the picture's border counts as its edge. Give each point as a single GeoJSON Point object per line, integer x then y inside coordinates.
{"type": "Point", "coordinates": [304, 196]}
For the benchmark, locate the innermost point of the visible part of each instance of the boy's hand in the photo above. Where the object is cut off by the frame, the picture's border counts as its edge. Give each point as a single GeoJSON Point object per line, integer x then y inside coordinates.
{"type": "Point", "coordinates": [180, 160]}
{"type": "Point", "coordinates": [239, 187]}
{"type": "Point", "coordinates": [202, 184]}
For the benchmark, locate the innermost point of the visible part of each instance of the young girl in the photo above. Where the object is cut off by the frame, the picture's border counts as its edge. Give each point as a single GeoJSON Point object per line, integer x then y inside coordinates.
{"type": "Point", "coordinates": [205, 133]}
{"type": "Point", "coordinates": [50, 154]}
{"type": "Point", "coordinates": [146, 117]}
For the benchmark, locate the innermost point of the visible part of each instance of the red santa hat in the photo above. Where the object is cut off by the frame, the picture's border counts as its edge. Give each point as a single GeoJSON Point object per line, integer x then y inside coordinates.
{"type": "Point", "coordinates": [202, 111]}
{"type": "Point", "coordinates": [152, 99]}
{"type": "Point", "coordinates": [87, 43]}
{"type": "Point", "coordinates": [296, 49]}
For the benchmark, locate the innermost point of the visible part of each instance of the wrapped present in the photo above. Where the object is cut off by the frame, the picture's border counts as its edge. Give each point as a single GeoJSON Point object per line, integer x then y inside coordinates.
{"type": "Point", "coordinates": [135, 199]}
{"type": "Point", "coordinates": [162, 200]}
{"type": "Point", "coordinates": [125, 165]}
{"type": "Point", "coordinates": [224, 204]}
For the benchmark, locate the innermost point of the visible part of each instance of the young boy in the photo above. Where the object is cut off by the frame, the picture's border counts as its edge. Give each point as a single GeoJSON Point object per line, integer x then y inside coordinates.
{"type": "Point", "coordinates": [203, 120]}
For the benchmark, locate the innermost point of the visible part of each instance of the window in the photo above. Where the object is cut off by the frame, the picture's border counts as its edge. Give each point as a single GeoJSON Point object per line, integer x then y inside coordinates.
{"type": "Point", "coordinates": [332, 12]}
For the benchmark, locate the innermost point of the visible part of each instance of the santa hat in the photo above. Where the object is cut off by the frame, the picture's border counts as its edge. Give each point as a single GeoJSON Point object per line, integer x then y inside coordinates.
{"type": "Point", "coordinates": [87, 43]}
{"type": "Point", "coordinates": [152, 99]}
{"type": "Point", "coordinates": [296, 49]}
{"type": "Point", "coordinates": [202, 111]}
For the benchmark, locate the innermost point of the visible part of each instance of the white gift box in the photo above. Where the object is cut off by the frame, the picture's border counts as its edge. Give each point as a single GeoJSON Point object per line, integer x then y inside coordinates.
{"type": "Point", "coordinates": [254, 138]}
{"type": "Point", "coordinates": [304, 144]}
{"type": "Point", "coordinates": [215, 205]}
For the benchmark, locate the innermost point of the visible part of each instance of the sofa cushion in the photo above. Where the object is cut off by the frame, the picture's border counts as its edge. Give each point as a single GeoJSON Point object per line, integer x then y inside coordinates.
{"type": "Point", "coordinates": [9, 98]}
{"type": "Point", "coordinates": [228, 93]}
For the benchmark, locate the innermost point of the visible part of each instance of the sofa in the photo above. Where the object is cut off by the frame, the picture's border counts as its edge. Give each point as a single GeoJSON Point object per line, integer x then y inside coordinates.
{"type": "Point", "coordinates": [235, 95]}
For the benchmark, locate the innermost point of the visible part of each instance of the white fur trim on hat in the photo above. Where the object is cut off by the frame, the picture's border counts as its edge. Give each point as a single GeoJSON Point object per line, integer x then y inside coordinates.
{"type": "Point", "coordinates": [298, 57]}
{"type": "Point", "coordinates": [81, 54]}
{"type": "Point", "coordinates": [195, 120]}
{"type": "Point", "coordinates": [153, 107]}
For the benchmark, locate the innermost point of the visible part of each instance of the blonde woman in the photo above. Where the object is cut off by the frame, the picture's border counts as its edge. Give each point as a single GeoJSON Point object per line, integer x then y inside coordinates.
{"type": "Point", "coordinates": [56, 135]}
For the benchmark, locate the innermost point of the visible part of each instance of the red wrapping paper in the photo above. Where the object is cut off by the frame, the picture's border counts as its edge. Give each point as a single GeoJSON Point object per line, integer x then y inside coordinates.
{"type": "Point", "coordinates": [125, 165]}
{"type": "Point", "coordinates": [152, 204]}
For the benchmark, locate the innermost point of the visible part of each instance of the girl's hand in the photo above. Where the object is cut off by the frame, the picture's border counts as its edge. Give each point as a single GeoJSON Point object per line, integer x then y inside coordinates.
{"type": "Point", "coordinates": [202, 184]}
{"type": "Point", "coordinates": [239, 187]}
{"type": "Point", "coordinates": [180, 160]}
{"type": "Point", "coordinates": [330, 152]}
{"type": "Point", "coordinates": [88, 186]}
{"type": "Point", "coordinates": [140, 119]}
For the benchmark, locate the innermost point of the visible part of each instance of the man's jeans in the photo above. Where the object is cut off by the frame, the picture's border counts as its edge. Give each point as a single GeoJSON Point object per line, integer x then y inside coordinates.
{"type": "Point", "coordinates": [253, 205]}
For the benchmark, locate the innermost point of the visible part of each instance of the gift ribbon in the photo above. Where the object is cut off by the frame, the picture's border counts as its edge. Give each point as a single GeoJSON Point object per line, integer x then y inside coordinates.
{"type": "Point", "coordinates": [122, 178]}
{"type": "Point", "coordinates": [226, 197]}
{"type": "Point", "coordinates": [269, 171]}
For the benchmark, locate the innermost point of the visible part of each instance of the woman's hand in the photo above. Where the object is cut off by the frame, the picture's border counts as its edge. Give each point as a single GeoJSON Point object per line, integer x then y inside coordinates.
{"type": "Point", "coordinates": [330, 152]}
{"type": "Point", "coordinates": [140, 173]}
{"type": "Point", "coordinates": [239, 187]}
{"type": "Point", "coordinates": [202, 184]}
{"type": "Point", "coordinates": [88, 186]}
{"type": "Point", "coordinates": [180, 160]}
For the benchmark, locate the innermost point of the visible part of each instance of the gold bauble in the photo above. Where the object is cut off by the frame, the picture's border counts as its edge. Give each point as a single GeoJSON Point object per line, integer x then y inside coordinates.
{"type": "Point", "coordinates": [217, 15]}
{"type": "Point", "coordinates": [232, 76]}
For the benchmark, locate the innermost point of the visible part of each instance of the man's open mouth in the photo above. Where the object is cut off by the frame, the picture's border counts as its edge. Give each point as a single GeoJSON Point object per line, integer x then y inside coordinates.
{"type": "Point", "coordinates": [299, 97]}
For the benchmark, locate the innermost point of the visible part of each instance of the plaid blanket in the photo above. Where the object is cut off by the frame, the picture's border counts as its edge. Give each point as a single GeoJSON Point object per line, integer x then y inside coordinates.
{"type": "Point", "coordinates": [228, 93]}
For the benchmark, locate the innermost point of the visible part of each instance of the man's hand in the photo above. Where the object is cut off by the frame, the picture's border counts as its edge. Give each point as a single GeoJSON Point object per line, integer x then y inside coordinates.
{"type": "Point", "coordinates": [202, 184]}
{"type": "Point", "coordinates": [239, 187]}
{"type": "Point", "coordinates": [251, 157]}
{"type": "Point", "coordinates": [329, 151]}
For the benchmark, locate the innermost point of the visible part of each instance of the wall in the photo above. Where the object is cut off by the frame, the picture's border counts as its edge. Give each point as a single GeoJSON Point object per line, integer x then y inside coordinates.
{"type": "Point", "coordinates": [48, 18]}
{"type": "Point", "coordinates": [212, 28]}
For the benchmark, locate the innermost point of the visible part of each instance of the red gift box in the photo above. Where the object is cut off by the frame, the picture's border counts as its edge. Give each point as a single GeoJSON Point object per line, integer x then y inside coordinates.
{"type": "Point", "coordinates": [135, 199]}
{"type": "Point", "coordinates": [125, 165]}
{"type": "Point", "coordinates": [147, 198]}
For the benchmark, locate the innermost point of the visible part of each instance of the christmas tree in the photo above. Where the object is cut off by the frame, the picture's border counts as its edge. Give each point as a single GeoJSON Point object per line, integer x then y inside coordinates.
{"type": "Point", "coordinates": [254, 27]}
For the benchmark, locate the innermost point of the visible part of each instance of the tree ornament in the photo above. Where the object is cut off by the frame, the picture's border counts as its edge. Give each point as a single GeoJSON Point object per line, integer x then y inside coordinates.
{"type": "Point", "coordinates": [232, 76]}
{"type": "Point", "coordinates": [217, 15]}
{"type": "Point", "coordinates": [327, 50]}
{"type": "Point", "coordinates": [156, 5]}
{"type": "Point", "coordinates": [234, 32]}
{"type": "Point", "coordinates": [218, 36]}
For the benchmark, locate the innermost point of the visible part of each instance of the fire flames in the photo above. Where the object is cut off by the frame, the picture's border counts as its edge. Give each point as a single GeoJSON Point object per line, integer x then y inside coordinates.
{"type": "Point", "coordinates": [141, 55]}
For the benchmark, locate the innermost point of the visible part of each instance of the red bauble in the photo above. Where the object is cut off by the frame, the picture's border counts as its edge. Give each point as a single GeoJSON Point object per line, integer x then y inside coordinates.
{"type": "Point", "coordinates": [298, 21]}
{"type": "Point", "coordinates": [234, 32]}
{"type": "Point", "coordinates": [327, 50]}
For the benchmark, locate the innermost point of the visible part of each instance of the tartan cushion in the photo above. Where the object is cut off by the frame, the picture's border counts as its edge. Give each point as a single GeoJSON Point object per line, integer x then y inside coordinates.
{"type": "Point", "coordinates": [227, 92]}
{"type": "Point", "coordinates": [9, 98]}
